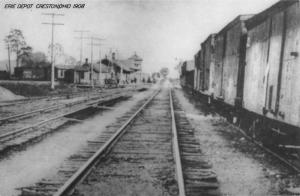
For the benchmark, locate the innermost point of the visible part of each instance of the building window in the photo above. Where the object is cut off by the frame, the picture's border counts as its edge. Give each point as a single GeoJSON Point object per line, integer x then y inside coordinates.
{"type": "Point", "coordinates": [81, 74]}
{"type": "Point", "coordinates": [61, 73]}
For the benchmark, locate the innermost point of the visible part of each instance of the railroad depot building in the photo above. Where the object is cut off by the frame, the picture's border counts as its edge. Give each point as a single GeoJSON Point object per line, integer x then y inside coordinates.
{"type": "Point", "coordinates": [109, 70]}
{"type": "Point", "coordinates": [78, 74]}
{"type": "Point", "coordinates": [125, 71]}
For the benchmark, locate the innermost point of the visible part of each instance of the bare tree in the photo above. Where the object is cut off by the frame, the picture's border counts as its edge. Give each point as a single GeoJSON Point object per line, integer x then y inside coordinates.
{"type": "Point", "coordinates": [69, 60]}
{"type": "Point", "coordinates": [15, 42]}
{"type": "Point", "coordinates": [164, 72]}
{"type": "Point", "coordinates": [58, 51]}
{"type": "Point", "coordinates": [25, 55]}
{"type": "Point", "coordinates": [39, 58]}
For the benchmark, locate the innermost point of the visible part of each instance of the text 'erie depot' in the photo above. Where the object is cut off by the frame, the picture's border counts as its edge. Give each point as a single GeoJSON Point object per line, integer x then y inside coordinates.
{"type": "Point", "coordinates": [43, 6]}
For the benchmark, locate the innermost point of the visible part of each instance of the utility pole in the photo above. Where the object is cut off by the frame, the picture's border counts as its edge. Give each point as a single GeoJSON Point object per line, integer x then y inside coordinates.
{"type": "Point", "coordinates": [81, 42]}
{"type": "Point", "coordinates": [9, 66]}
{"type": "Point", "coordinates": [52, 42]}
{"type": "Point", "coordinates": [92, 38]}
{"type": "Point", "coordinates": [121, 68]}
{"type": "Point", "coordinates": [100, 66]}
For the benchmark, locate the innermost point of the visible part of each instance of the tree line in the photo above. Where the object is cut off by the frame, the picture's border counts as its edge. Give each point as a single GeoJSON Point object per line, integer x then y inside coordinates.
{"type": "Point", "coordinates": [16, 44]}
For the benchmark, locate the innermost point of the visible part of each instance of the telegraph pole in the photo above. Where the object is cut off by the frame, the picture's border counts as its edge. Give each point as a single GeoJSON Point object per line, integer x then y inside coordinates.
{"type": "Point", "coordinates": [92, 38]}
{"type": "Point", "coordinates": [81, 42]}
{"type": "Point", "coordinates": [9, 66]}
{"type": "Point", "coordinates": [99, 60]}
{"type": "Point", "coordinates": [121, 71]}
{"type": "Point", "coordinates": [92, 68]}
{"type": "Point", "coordinates": [52, 40]}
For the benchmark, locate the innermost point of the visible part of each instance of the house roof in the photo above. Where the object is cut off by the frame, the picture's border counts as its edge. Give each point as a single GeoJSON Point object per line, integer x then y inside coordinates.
{"type": "Point", "coordinates": [104, 68]}
{"type": "Point", "coordinates": [86, 68]}
{"type": "Point", "coordinates": [136, 57]}
{"type": "Point", "coordinates": [81, 68]}
{"type": "Point", "coordinates": [262, 16]}
{"type": "Point", "coordinates": [60, 66]}
{"type": "Point", "coordinates": [126, 65]}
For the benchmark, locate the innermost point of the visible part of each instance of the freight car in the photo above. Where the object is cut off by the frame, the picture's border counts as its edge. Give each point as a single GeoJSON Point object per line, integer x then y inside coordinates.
{"type": "Point", "coordinates": [204, 68]}
{"type": "Point", "coordinates": [272, 71]}
{"type": "Point", "coordinates": [187, 74]}
{"type": "Point", "coordinates": [207, 64]}
{"type": "Point", "coordinates": [222, 63]}
{"type": "Point", "coordinates": [197, 71]}
{"type": "Point", "coordinates": [250, 69]}
{"type": "Point", "coordinates": [234, 36]}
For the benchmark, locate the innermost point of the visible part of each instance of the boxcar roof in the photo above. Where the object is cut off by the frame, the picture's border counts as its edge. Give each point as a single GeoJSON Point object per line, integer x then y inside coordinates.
{"type": "Point", "coordinates": [238, 19]}
{"type": "Point", "coordinates": [262, 16]}
{"type": "Point", "coordinates": [197, 54]}
{"type": "Point", "coordinates": [210, 37]}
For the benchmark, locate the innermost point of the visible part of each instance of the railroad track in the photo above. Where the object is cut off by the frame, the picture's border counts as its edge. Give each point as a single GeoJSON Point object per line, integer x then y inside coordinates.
{"type": "Point", "coordinates": [33, 131]}
{"type": "Point", "coordinates": [56, 106]}
{"type": "Point", "coordinates": [152, 152]}
{"type": "Point", "coordinates": [46, 98]}
{"type": "Point", "coordinates": [37, 105]}
{"type": "Point", "coordinates": [52, 106]}
{"type": "Point", "coordinates": [280, 152]}
{"type": "Point", "coordinates": [60, 96]}
{"type": "Point", "coordinates": [23, 128]}
{"type": "Point", "coordinates": [282, 156]}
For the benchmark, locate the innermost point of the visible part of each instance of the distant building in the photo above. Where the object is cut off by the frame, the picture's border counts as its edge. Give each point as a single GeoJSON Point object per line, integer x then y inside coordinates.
{"type": "Point", "coordinates": [60, 71]}
{"type": "Point", "coordinates": [125, 71]}
{"type": "Point", "coordinates": [4, 75]}
{"type": "Point", "coordinates": [108, 71]}
{"type": "Point", "coordinates": [136, 63]}
{"type": "Point", "coordinates": [79, 74]}
{"type": "Point", "coordinates": [39, 73]}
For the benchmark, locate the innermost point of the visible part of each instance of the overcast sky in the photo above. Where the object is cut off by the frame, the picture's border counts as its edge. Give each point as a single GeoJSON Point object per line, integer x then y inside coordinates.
{"type": "Point", "coordinates": [158, 31]}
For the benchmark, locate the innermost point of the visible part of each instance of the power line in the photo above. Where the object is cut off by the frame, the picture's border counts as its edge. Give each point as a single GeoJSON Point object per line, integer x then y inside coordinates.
{"type": "Point", "coordinates": [93, 39]}
{"type": "Point", "coordinates": [100, 65]}
{"type": "Point", "coordinates": [52, 40]}
{"type": "Point", "coordinates": [81, 42]}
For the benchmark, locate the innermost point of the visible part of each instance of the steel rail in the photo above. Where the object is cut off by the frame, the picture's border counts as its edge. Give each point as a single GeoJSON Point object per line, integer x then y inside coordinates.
{"type": "Point", "coordinates": [30, 99]}
{"type": "Point", "coordinates": [50, 108]}
{"type": "Point", "coordinates": [46, 109]}
{"type": "Point", "coordinates": [31, 112]}
{"type": "Point", "coordinates": [7, 103]}
{"type": "Point", "coordinates": [179, 172]}
{"type": "Point", "coordinates": [280, 158]}
{"type": "Point", "coordinates": [84, 170]}
{"type": "Point", "coordinates": [7, 136]}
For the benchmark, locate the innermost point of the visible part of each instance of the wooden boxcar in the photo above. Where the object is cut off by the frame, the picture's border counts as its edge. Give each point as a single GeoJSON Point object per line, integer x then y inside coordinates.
{"type": "Point", "coordinates": [208, 64]}
{"type": "Point", "coordinates": [230, 60]}
{"type": "Point", "coordinates": [197, 81]}
{"type": "Point", "coordinates": [187, 74]}
{"type": "Point", "coordinates": [272, 63]}
{"type": "Point", "coordinates": [218, 69]}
